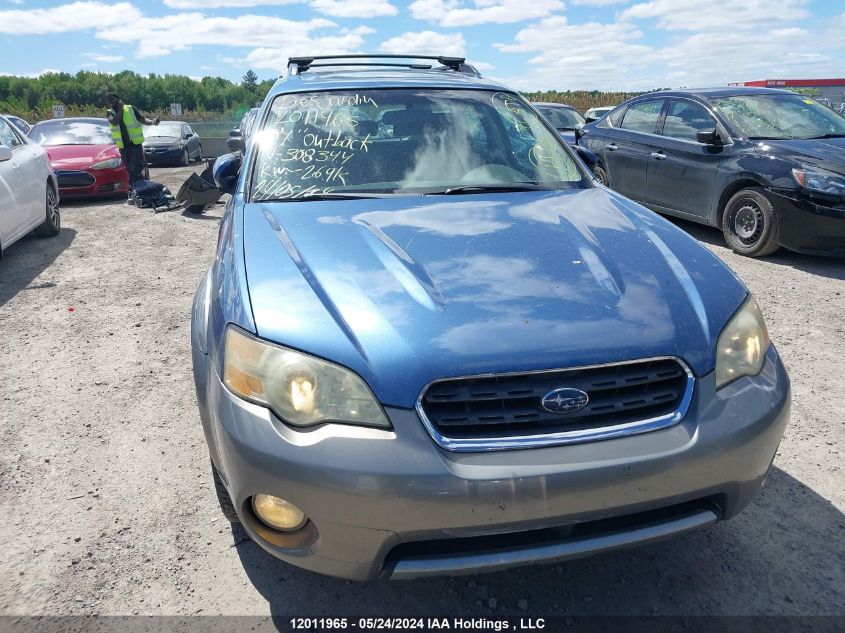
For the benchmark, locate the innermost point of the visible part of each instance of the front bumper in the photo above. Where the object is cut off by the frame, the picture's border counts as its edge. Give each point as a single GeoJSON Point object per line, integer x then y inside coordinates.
{"type": "Point", "coordinates": [809, 226]}
{"type": "Point", "coordinates": [373, 495]}
{"type": "Point", "coordinates": [156, 155]}
{"type": "Point", "coordinates": [92, 183]}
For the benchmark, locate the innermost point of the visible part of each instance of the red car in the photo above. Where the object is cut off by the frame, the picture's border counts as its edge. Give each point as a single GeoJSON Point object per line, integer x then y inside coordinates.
{"type": "Point", "coordinates": [86, 161]}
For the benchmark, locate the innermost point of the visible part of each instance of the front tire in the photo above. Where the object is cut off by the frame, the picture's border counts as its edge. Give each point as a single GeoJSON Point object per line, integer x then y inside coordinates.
{"type": "Point", "coordinates": [52, 224]}
{"type": "Point", "coordinates": [749, 223]}
{"type": "Point", "coordinates": [601, 175]}
{"type": "Point", "coordinates": [223, 498]}
{"type": "Point", "coordinates": [186, 158]}
{"type": "Point", "coordinates": [199, 154]}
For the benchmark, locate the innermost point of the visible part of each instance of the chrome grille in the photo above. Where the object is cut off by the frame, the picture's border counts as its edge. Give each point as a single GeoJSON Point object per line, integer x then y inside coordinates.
{"type": "Point", "coordinates": [505, 411]}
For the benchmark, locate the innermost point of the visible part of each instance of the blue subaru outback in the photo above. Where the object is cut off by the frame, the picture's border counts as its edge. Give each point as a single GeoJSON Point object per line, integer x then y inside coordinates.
{"type": "Point", "coordinates": [432, 343]}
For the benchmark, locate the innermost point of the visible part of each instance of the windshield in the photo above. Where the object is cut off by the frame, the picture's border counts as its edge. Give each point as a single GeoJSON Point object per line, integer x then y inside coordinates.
{"type": "Point", "coordinates": [70, 132]}
{"type": "Point", "coordinates": [164, 129]}
{"type": "Point", "coordinates": [780, 117]}
{"type": "Point", "coordinates": [406, 141]}
{"type": "Point", "coordinates": [562, 118]}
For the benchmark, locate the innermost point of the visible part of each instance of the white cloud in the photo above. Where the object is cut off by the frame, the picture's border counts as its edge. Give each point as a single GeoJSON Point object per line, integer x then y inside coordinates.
{"type": "Point", "coordinates": [354, 8]}
{"type": "Point", "coordinates": [106, 59]}
{"type": "Point", "coordinates": [276, 58]}
{"type": "Point", "coordinates": [161, 35]}
{"type": "Point", "coordinates": [425, 43]}
{"type": "Point", "coordinates": [724, 16]}
{"type": "Point", "coordinates": [224, 4]}
{"type": "Point", "coordinates": [598, 3]}
{"type": "Point", "coordinates": [457, 13]}
{"type": "Point", "coordinates": [589, 56]}
{"type": "Point", "coordinates": [719, 57]}
{"type": "Point", "coordinates": [336, 8]}
{"type": "Point", "coordinates": [619, 57]}
{"type": "Point", "coordinates": [76, 16]}
{"type": "Point", "coordinates": [19, 2]}
{"type": "Point", "coordinates": [46, 71]}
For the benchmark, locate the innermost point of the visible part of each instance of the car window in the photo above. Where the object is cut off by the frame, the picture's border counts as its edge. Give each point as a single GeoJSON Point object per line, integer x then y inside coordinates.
{"type": "Point", "coordinates": [642, 116]}
{"type": "Point", "coordinates": [405, 141]}
{"type": "Point", "coordinates": [780, 116]}
{"type": "Point", "coordinates": [562, 118]}
{"type": "Point", "coordinates": [189, 129]}
{"type": "Point", "coordinates": [8, 137]}
{"type": "Point", "coordinates": [685, 119]}
{"type": "Point", "coordinates": [615, 116]}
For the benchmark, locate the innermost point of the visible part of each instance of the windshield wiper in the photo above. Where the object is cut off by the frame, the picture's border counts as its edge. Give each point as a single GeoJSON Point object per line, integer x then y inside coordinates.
{"type": "Point", "coordinates": [514, 186]}
{"type": "Point", "coordinates": [831, 135]}
{"type": "Point", "coordinates": [770, 138]}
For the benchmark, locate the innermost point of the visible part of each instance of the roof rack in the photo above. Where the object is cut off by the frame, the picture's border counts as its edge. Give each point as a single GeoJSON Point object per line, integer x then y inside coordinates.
{"type": "Point", "coordinates": [297, 65]}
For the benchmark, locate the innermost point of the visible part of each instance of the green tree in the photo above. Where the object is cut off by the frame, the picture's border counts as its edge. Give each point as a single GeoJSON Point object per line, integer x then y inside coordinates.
{"type": "Point", "coordinates": [250, 80]}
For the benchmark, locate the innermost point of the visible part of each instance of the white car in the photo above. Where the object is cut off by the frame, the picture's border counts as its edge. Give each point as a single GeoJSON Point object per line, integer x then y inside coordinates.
{"type": "Point", "coordinates": [594, 114]}
{"type": "Point", "coordinates": [29, 194]}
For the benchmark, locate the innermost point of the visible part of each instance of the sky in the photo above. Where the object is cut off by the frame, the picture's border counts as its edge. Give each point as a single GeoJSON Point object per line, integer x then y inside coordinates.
{"type": "Point", "coordinates": [529, 44]}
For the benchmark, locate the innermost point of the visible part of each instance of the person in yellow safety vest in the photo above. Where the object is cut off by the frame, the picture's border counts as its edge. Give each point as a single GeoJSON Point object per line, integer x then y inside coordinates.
{"type": "Point", "coordinates": [125, 121]}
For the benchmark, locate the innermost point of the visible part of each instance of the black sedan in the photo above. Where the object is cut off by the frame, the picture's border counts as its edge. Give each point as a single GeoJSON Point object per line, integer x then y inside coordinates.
{"type": "Point", "coordinates": [766, 166]}
{"type": "Point", "coordinates": [171, 142]}
{"type": "Point", "coordinates": [564, 118]}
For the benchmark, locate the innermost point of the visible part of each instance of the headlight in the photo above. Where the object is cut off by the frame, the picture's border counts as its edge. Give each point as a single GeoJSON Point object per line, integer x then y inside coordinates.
{"type": "Point", "coordinates": [820, 181]}
{"type": "Point", "coordinates": [175, 148]}
{"type": "Point", "coordinates": [742, 345]}
{"type": "Point", "coordinates": [300, 389]}
{"type": "Point", "coordinates": [111, 163]}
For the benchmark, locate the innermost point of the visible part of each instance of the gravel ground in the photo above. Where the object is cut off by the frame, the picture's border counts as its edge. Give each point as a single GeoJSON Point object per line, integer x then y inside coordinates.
{"type": "Point", "coordinates": [106, 502]}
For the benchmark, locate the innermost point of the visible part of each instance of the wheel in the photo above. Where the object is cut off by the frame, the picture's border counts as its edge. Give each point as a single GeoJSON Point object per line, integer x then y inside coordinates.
{"type": "Point", "coordinates": [53, 221]}
{"type": "Point", "coordinates": [601, 175]}
{"type": "Point", "coordinates": [199, 154]}
{"type": "Point", "coordinates": [223, 498]}
{"type": "Point", "coordinates": [749, 223]}
{"type": "Point", "coordinates": [186, 158]}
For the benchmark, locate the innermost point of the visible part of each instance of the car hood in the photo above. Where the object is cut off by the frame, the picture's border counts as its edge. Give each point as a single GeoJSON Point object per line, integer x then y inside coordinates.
{"type": "Point", "coordinates": [407, 290]}
{"type": "Point", "coordinates": [64, 157]}
{"type": "Point", "coordinates": [829, 153]}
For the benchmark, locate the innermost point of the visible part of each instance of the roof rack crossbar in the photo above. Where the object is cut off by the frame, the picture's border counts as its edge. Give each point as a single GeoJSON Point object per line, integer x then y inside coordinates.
{"type": "Point", "coordinates": [304, 63]}
{"type": "Point", "coordinates": [417, 66]}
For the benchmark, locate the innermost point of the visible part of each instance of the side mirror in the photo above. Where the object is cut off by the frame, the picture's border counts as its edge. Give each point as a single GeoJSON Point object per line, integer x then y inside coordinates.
{"type": "Point", "coordinates": [236, 144]}
{"type": "Point", "coordinates": [579, 134]}
{"type": "Point", "coordinates": [710, 137]}
{"type": "Point", "coordinates": [589, 158]}
{"type": "Point", "coordinates": [226, 170]}
{"type": "Point", "coordinates": [188, 134]}
{"type": "Point", "coordinates": [235, 131]}
{"type": "Point", "coordinates": [5, 153]}
{"type": "Point", "coordinates": [590, 118]}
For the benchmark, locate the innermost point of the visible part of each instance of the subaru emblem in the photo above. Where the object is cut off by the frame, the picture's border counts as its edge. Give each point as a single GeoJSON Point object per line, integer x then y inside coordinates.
{"type": "Point", "coordinates": [565, 400]}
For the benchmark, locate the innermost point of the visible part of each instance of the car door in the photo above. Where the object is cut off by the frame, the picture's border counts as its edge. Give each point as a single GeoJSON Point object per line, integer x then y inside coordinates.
{"type": "Point", "coordinates": [19, 186]}
{"type": "Point", "coordinates": [190, 141]}
{"type": "Point", "coordinates": [682, 171]}
{"type": "Point", "coordinates": [626, 149]}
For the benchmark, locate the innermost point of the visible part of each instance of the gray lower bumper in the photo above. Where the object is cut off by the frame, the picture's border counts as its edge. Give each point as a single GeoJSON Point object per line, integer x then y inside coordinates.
{"type": "Point", "coordinates": [567, 549]}
{"type": "Point", "coordinates": [368, 491]}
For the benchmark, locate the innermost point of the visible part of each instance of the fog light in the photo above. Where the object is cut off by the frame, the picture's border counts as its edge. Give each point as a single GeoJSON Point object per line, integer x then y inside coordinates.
{"type": "Point", "coordinates": [278, 513]}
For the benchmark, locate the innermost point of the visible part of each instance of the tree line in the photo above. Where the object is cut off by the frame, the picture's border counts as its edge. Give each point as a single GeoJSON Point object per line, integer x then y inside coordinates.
{"type": "Point", "coordinates": [83, 94]}
{"type": "Point", "coordinates": [209, 98]}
